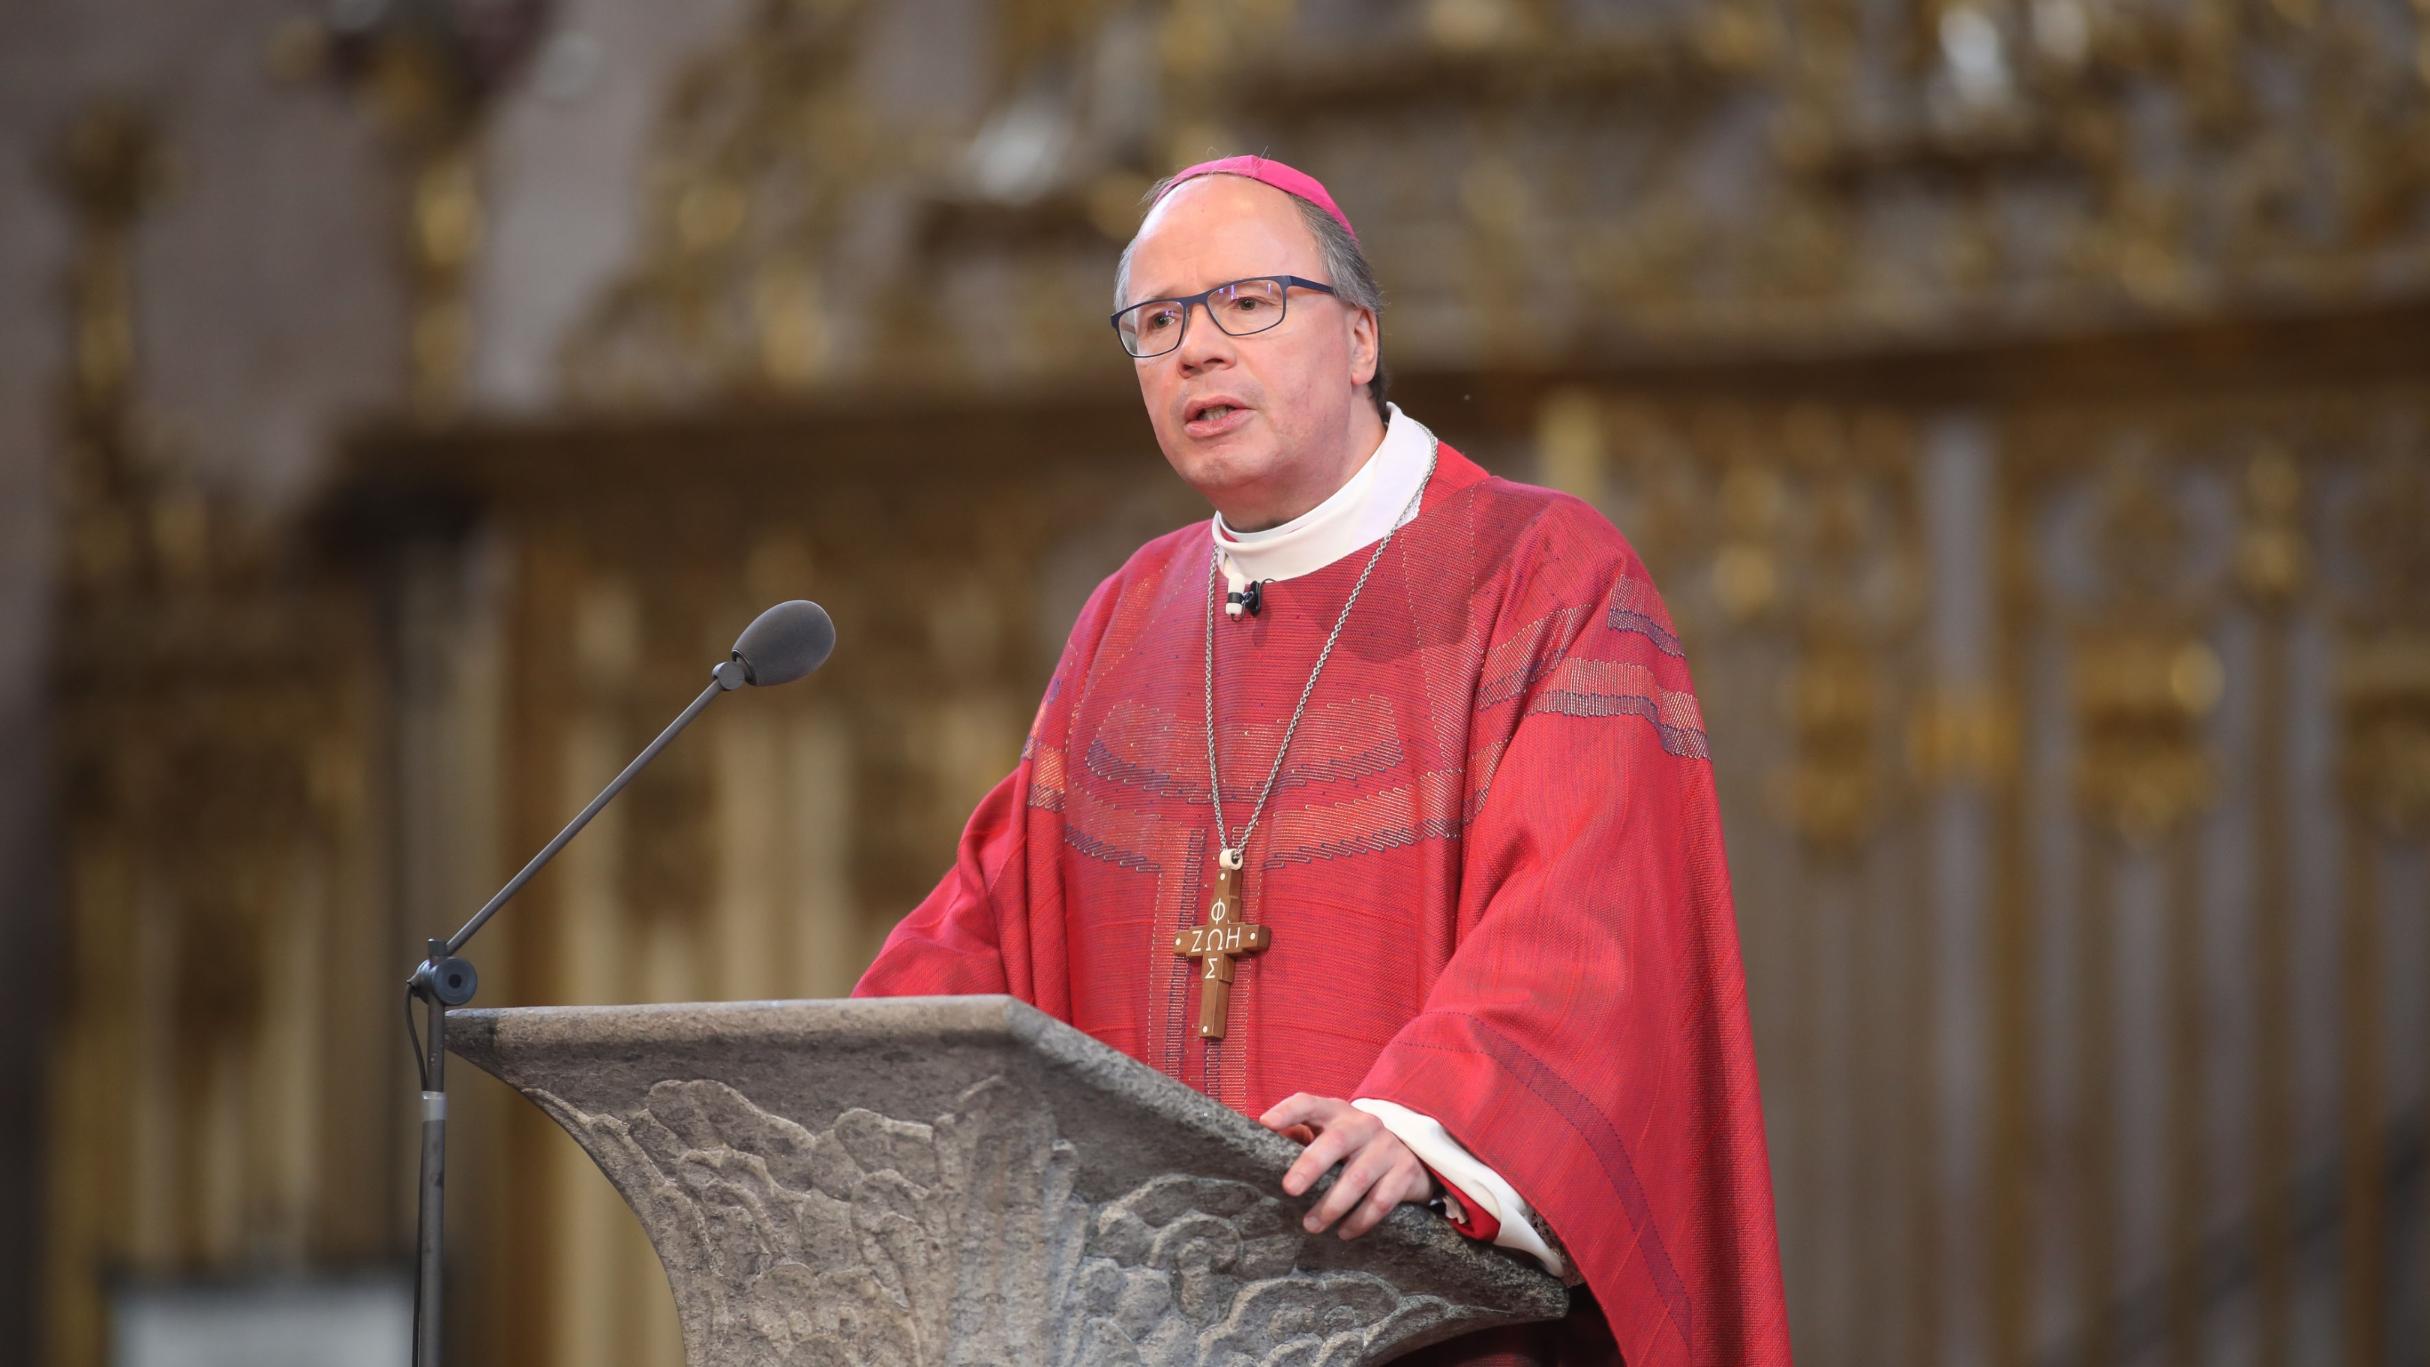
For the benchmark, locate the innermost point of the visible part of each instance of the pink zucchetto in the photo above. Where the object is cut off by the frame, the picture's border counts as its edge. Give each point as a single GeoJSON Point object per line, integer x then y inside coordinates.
{"type": "Point", "coordinates": [1266, 171]}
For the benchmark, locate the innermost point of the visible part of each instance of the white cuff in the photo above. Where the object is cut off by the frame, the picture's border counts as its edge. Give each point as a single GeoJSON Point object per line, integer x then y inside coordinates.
{"type": "Point", "coordinates": [1473, 1182]}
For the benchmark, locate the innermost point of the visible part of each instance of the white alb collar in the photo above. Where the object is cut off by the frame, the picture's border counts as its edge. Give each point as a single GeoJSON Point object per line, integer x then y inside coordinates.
{"type": "Point", "coordinates": [1356, 516]}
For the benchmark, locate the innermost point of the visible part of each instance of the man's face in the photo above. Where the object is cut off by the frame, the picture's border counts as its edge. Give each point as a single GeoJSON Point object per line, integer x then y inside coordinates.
{"type": "Point", "coordinates": [1292, 437]}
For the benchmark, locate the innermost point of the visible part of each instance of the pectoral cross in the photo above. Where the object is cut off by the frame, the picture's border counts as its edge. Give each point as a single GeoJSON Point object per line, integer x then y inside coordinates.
{"type": "Point", "coordinates": [1226, 934]}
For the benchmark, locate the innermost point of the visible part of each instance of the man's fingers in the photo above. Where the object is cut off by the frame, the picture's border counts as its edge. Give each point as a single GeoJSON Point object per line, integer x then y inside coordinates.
{"type": "Point", "coordinates": [1381, 1198]}
{"type": "Point", "coordinates": [1331, 1147]}
{"type": "Point", "coordinates": [1301, 1108]}
{"type": "Point", "coordinates": [1378, 1171]}
{"type": "Point", "coordinates": [1359, 1176]}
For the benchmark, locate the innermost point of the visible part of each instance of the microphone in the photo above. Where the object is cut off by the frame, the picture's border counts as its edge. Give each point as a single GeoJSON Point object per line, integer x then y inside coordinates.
{"type": "Point", "coordinates": [1249, 598]}
{"type": "Point", "coordinates": [782, 644]}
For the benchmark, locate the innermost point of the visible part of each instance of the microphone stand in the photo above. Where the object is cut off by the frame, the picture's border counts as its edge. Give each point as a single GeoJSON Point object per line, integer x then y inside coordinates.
{"type": "Point", "coordinates": [442, 980]}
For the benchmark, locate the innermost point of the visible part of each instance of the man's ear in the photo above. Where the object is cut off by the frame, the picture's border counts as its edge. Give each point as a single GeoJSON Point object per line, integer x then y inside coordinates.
{"type": "Point", "coordinates": [1363, 350]}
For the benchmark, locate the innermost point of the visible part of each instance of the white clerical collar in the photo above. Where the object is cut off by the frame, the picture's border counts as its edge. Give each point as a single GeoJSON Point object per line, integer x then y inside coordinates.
{"type": "Point", "coordinates": [1356, 516]}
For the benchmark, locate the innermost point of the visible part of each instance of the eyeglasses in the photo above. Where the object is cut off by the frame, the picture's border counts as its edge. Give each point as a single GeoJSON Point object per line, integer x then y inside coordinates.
{"type": "Point", "coordinates": [1239, 308]}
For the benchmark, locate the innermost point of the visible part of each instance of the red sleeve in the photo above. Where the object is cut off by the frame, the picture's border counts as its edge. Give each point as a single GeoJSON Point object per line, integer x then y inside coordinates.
{"type": "Point", "coordinates": [1588, 1038]}
{"type": "Point", "coordinates": [978, 931]}
{"type": "Point", "coordinates": [954, 942]}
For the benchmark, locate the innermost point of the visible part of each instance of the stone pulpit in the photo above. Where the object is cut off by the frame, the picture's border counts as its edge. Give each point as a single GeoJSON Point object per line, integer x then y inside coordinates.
{"type": "Point", "coordinates": [967, 1180]}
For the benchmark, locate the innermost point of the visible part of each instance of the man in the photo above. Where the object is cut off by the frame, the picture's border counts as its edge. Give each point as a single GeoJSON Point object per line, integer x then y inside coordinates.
{"type": "Point", "coordinates": [1456, 911]}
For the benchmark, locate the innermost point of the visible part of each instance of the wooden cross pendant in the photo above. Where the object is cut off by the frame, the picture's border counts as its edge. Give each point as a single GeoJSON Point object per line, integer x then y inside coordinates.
{"type": "Point", "coordinates": [1225, 935]}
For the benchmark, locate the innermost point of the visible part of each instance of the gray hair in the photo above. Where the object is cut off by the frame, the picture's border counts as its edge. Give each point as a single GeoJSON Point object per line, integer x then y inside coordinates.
{"type": "Point", "coordinates": [1346, 269]}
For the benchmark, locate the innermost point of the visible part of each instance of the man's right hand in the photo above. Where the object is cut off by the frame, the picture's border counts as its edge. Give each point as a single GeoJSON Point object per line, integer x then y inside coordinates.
{"type": "Point", "coordinates": [1378, 1171]}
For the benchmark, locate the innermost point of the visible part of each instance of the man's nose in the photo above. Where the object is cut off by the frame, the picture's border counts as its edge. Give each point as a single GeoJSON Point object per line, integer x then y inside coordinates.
{"type": "Point", "coordinates": [1202, 343]}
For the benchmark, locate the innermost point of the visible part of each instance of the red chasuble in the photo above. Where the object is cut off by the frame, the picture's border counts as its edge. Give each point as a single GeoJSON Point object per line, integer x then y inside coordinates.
{"type": "Point", "coordinates": [1492, 870]}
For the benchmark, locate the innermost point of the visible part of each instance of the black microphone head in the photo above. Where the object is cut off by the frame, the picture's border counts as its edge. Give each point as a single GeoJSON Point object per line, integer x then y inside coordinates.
{"type": "Point", "coordinates": [785, 642]}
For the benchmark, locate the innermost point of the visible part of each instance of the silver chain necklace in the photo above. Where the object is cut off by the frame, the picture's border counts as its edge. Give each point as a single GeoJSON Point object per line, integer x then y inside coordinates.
{"type": "Point", "coordinates": [1232, 855]}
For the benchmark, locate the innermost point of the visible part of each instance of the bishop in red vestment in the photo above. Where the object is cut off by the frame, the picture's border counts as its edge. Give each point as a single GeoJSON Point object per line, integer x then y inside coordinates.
{"type": "Point", "coordinates": [1500, 953]}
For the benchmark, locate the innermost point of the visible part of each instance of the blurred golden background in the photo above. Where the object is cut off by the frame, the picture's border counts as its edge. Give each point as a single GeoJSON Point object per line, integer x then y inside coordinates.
{"type": "Point", "coordinates": [2025, 405]}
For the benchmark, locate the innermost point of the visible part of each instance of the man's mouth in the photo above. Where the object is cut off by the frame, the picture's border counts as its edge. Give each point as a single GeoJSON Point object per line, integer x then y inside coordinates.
{"type": "Point", "coordinates": [1213, 419]}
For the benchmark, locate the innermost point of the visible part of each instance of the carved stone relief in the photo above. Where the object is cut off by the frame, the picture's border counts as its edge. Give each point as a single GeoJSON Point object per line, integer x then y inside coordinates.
{"type": "Point", "coordinates": [896, 1233]}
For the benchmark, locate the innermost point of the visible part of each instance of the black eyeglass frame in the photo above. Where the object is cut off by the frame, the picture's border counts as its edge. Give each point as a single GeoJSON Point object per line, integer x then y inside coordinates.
{"type": "Point", "coordinates": [1191, 303]}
